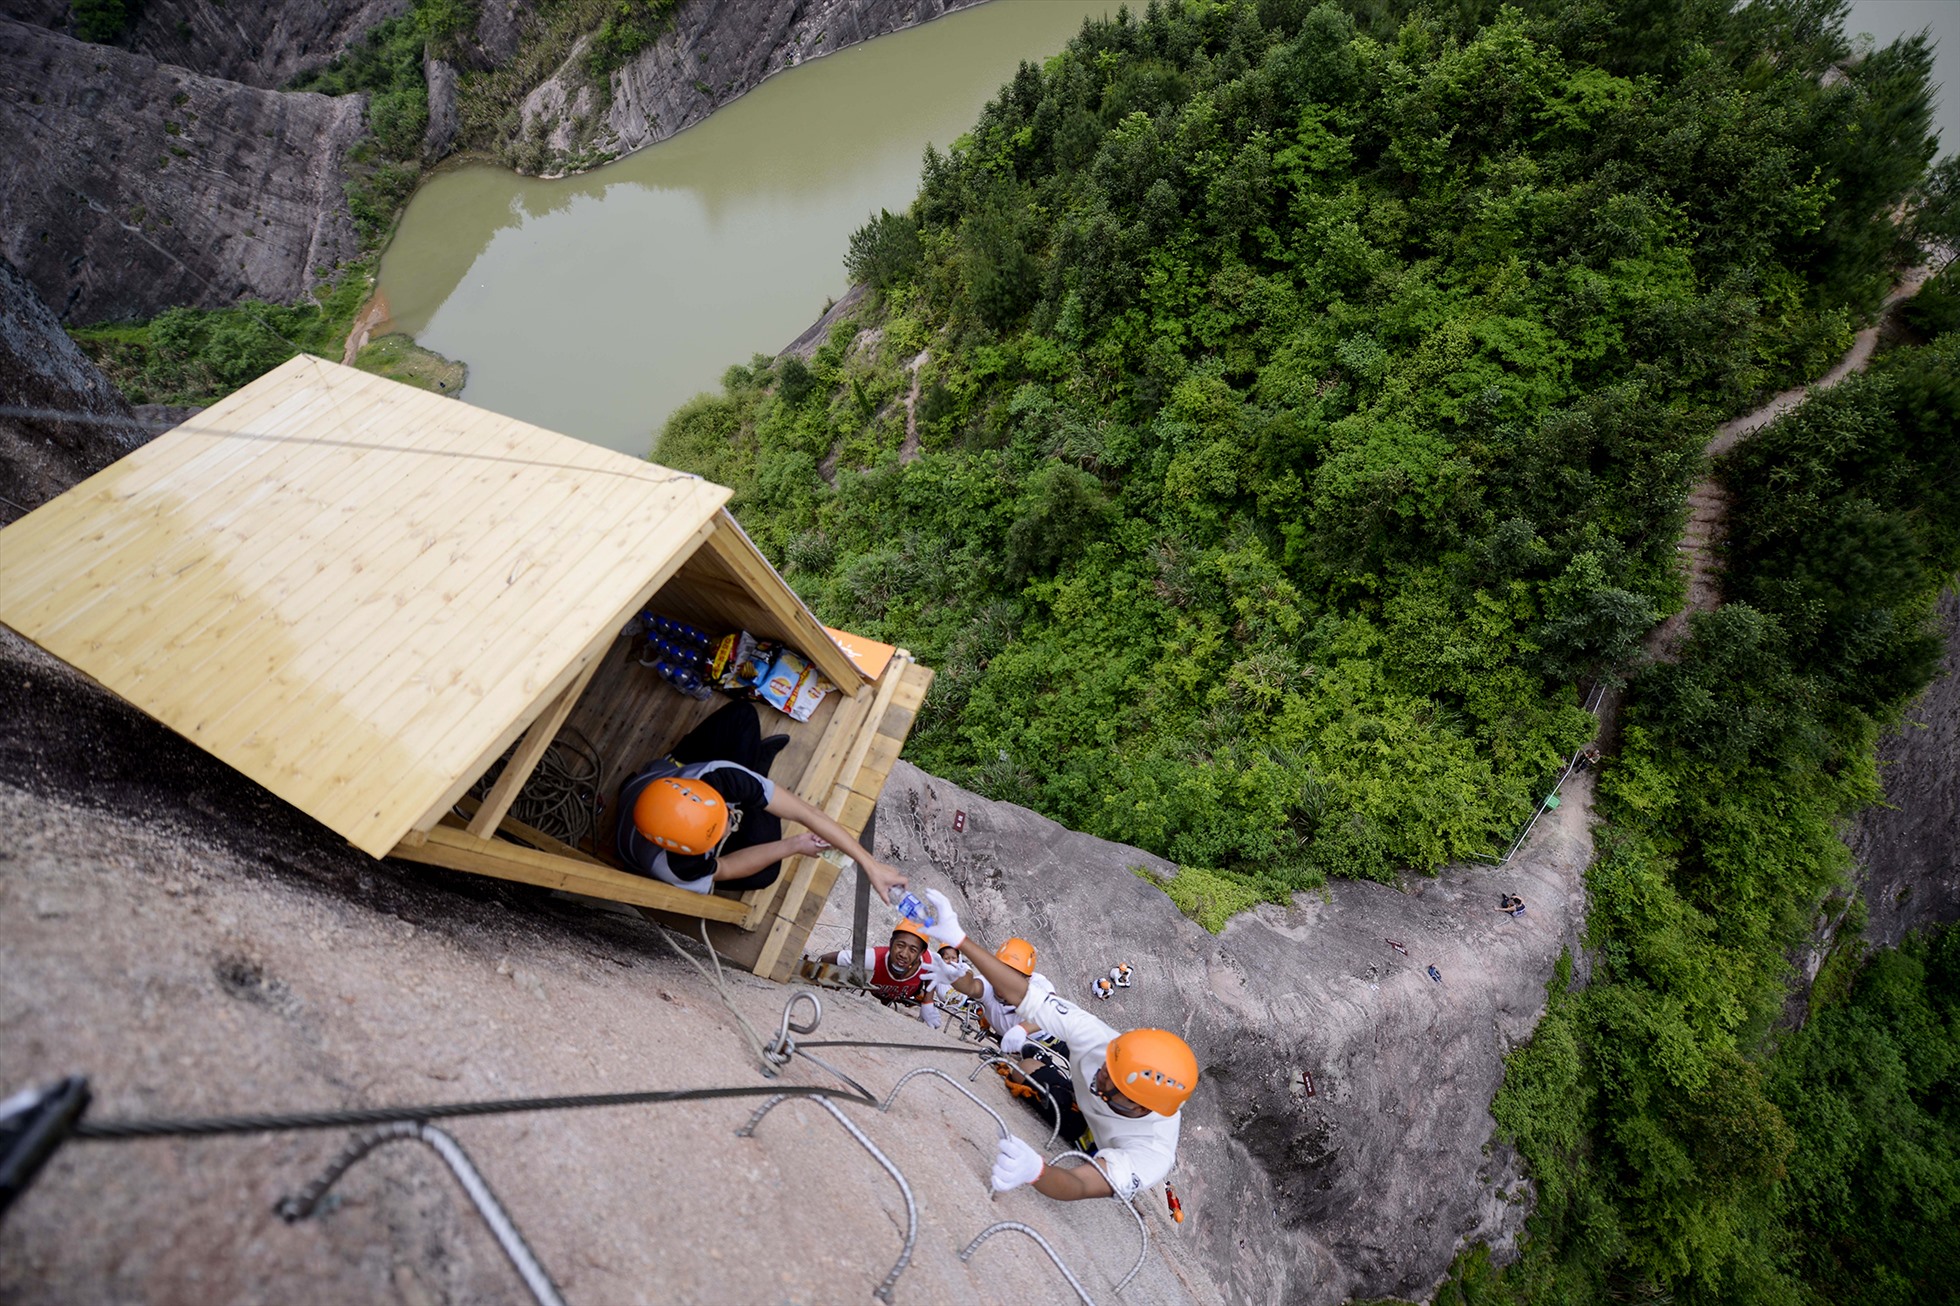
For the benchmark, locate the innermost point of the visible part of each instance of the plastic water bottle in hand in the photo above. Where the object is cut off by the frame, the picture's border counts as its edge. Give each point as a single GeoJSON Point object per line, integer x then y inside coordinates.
{"type": "Point", "coordinates": [911, 906]}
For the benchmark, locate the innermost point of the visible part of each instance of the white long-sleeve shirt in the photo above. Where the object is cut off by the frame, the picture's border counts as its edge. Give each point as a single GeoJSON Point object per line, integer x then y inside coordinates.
{"type": "Point", "coordinates": [1133, 1153]}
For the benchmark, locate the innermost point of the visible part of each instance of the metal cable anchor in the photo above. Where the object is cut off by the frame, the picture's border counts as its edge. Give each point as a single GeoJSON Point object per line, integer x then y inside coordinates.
{"type": "Point", "coordinates": [884, 1290]}
{"type": "Point", "coordinates": [296, 1208]}
{"type": "Point", "coordinates": [966, 1253]}
{"type": "Point", "coordinates": [1143, 1233]}
{"type": "Point", "coordinates": [779, 1049]}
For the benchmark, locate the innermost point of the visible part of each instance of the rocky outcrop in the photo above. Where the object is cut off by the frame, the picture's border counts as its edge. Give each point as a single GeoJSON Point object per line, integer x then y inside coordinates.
{"type": "Point", "coordinates": [264, 45]}
{"type": "Point", "coordinates": [713, 52]}
{"type": "Point", "coordinates": [129, 186]}
{"type": "Point", "coordinates": [1908, 851]}
{"type": "Point", "coordinates": [1341, 1143]}
{"type": "Point", "coordinates": [68, 421]}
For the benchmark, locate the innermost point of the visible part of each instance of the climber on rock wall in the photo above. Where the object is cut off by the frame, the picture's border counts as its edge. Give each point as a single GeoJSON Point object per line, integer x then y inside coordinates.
{"type": "Point", "coordinates": [1129, 1084]}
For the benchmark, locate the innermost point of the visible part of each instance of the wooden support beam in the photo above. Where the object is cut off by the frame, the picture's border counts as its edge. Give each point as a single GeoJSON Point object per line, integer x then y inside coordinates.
{"type": "Point", "coordinates": [731, 544]}
{"type": "Point", "coordinates": [804, 882]}
{"type": "Point", "coordinates": [458, 850]}
{"type": "Point", "coordinates": [530, 751]}
{"type": "Point", "coordinates": [513, 827]}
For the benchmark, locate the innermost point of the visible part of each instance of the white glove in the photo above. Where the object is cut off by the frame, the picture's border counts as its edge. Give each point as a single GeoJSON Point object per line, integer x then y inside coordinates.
{"type": "Point", "coordinates": [940, 974]}
{"type": "Point", "coordinates": [930, 1015]}
{"type": "Point", "coordinates": [1015, 1163]}
{"type": "Point", "coordinates": [947, 928]}
{"type": "Point", "coordinates": [1013, 1040]}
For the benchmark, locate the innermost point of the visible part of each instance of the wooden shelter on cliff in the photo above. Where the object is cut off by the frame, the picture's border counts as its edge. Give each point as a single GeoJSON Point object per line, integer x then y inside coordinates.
{"type": "Point", "coordinates": [373, 601]}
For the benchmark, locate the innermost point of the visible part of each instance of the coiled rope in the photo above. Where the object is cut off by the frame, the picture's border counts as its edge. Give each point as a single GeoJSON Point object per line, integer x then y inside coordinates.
{"type": "Point", "coordinates": [561, 797]}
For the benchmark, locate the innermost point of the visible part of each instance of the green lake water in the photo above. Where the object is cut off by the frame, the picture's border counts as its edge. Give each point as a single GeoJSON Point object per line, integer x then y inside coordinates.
{"type": "Point", "coordinates": [596, 305]}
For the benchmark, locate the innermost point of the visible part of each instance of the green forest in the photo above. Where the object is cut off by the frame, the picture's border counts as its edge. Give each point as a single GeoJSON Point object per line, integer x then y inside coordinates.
{"type": "Point", "coordinates": [1275, 419]}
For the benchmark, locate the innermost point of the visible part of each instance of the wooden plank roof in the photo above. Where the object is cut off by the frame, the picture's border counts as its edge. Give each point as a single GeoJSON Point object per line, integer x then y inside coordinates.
{"type": "Point", "coordinates": [355, 592]}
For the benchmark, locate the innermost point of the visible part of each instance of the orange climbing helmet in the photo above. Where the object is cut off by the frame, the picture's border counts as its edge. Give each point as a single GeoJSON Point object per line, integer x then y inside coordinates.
{"type": "Point", "coordinates": [906, 925]}
{"type": "Point", "coordinates": [1018, 954]}
{"type": "Point", "coordinates": [681, 816]}
{"type": "Point", "coordinates": [1153, 1068]}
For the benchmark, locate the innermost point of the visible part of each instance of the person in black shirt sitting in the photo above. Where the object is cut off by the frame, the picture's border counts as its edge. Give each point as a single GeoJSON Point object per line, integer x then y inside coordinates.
{"type": "Point", "coordinates": [709, 817]}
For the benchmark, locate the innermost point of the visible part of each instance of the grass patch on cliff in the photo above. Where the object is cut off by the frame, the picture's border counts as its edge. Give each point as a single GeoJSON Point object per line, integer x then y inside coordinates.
{"type": "Point", "coordinates": [1208, 897]}
{"type": "Point", "coordinates": [399, 358]}
{"type": "Point", "coordinates": [194, 356]}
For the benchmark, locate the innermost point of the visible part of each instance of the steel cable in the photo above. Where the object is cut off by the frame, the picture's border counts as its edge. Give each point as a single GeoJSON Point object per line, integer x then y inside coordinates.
{"type": "Point", "coordinates": [296, 1208]}
{"type": "Point", "coordinates": [346, 1117]}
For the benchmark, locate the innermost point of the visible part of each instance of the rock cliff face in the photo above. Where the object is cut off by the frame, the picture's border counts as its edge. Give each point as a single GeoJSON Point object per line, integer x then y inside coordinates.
{"type": "Point", "coordinates": [715, 51]}
{"type": "Point", "coordinates": [264, 45]}
{"type": "Point", "coordinates": [40, 368]}
{"type": "Point", "coordinates": [129, 186]}
{"type": "Point", "coordinates": [1341, 1143]}
{"type": "Point", "coordinates": [1909, 851]}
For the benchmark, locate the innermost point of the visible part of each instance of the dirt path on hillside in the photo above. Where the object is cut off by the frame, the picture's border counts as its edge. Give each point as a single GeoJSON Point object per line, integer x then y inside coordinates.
{"type": "Point", "coordinates": [1708, 503]}
{"type": "Point", "coordinates": [373, 316]}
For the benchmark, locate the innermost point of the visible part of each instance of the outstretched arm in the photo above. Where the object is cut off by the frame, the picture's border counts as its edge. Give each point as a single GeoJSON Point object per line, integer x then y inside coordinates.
{"type": "Point", "coordinates": [1009, 984]}
{"type": "Point", "coordinates": [787, 805]}
{"type": "Point", "coordinates": [1074, 1184]}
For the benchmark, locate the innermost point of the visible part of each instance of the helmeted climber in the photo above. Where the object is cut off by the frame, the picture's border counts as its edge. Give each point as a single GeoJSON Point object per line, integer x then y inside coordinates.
{"type": "Point", "coordinates": [1044, 1058]}
{"type": "Point", "coordinates": [897, 975]}
{"type": "Point", "coordinates": [1017, 954]}
{"type": "Point", "coordinates": [708, 816]}
{"type": "Point", "coordinates": [1130, 1084]}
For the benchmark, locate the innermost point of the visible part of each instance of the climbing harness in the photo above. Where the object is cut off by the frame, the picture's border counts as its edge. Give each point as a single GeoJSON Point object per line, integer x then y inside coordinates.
{"type": "Point", "coordinates": [1003, 1064]}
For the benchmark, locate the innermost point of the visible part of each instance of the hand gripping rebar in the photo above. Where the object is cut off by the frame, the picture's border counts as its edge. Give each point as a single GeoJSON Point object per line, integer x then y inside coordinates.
{"type": "Point", "coordinates": [298, 1207]}
{"type": "Point", "coordinates": [1143, 1233]}
{"type": "Point", "coordinates": [884, 1290]}
{"type": "Point", "coordinates": [1054, 1110]}
{"type": "Point", "coordinates": [966, 1254]}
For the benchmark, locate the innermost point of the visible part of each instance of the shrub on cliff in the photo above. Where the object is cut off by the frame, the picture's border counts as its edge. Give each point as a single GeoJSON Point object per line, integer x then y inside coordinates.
{"type": "Point", "coordinates": [1723, 1175]}
{"type": "Point", "coordinates": [1310, 387]}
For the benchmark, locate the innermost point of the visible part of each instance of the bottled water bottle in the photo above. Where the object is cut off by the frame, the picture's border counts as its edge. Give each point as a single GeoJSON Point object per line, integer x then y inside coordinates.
{"type": "Point", "coordinates": [911, 906]}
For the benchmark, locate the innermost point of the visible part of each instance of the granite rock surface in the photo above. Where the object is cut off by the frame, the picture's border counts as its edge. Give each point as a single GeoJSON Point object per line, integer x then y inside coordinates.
{"type": "Point", "coordinates": [130, 186]}
{"type": "Point", "coordinates": [713, 52]}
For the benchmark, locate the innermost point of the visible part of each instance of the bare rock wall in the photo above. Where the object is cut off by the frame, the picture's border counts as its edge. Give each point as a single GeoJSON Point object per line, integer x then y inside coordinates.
{"type": "Point", "coordinates": [1341, 1142]}
{"type": "Point", "coordinates": [130, 186]}
{"type": "Point", "coordinates": [264, 45]}
{"type": "Point", "coordinates": [43, 373]}
{"type": "Point", "coordinates": [714, 52]}
{"type": "Point", "coordinates": [1909, 850]}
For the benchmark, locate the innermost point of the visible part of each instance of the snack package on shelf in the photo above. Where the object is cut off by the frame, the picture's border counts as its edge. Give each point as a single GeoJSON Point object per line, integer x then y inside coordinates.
{"type": "Point", "coordinates": [741, 662]}
{"type": "Point", "coordinates": [794, 686]}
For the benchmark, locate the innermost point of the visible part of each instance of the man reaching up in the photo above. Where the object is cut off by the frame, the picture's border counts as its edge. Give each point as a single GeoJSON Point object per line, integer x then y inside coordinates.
{"type": "Point", "coordinates": [1129, 1085]}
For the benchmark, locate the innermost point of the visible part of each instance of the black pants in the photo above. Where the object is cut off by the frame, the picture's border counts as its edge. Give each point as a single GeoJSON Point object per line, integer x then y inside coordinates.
{"type": "Point", "coordinates": [733, 734]}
